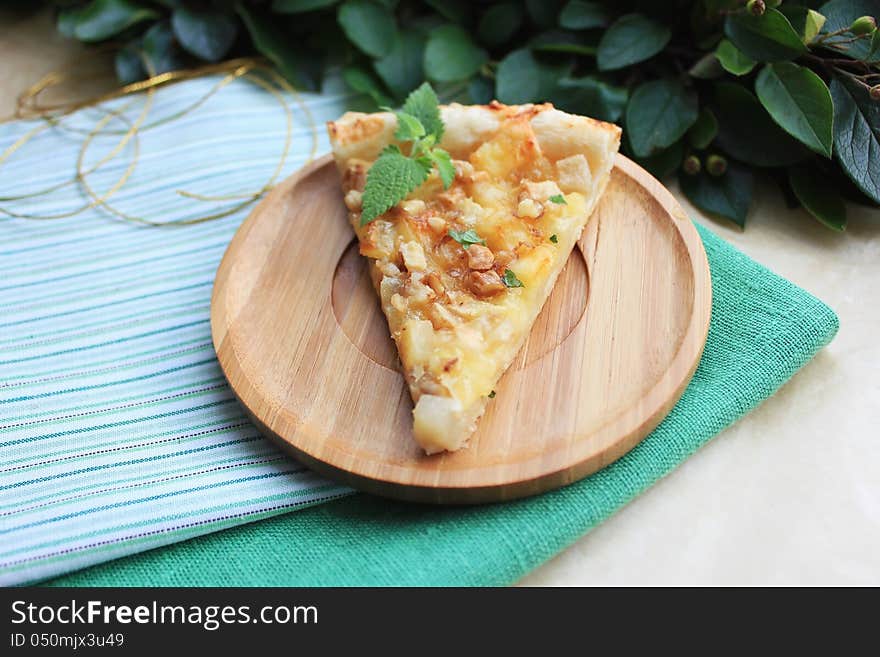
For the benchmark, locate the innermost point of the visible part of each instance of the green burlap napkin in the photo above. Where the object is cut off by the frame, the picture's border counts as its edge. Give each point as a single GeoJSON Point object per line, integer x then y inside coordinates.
{"type": "Point", "coordinates": [763, 329]}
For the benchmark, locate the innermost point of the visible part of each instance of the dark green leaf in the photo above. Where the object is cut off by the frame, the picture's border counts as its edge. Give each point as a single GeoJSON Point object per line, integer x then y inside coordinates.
{"type": "Point", "coordinates": [206, 34]}
{"type": "Point", "coordinates": [544, 13]}
{"type": "Point", "coordinates": [562, 41]}
{"type": "Point", "coordinates": [522, 78]}
{"type": "Point", "coordinates": [67, 20]}
{"type": "Point", "coordinates": [424, 105]}
{"type": "Point", "coordinates": [747, 132]}
{"type": "Point", "coordinates": [458, 11]}
{"type": "Point", "coordinates": [799, 102]}
{"type": "Point", "coordinates": [129, 65]}
{"type": "Point", "coordinates": [857, 134]}
{"type": "Point", "coordinates": [271, 41]}
{"type": "Point", "coordinates": [732, 59]}
{"type": "Point", "coordinates": [874, 49]}
{"type": "Point", "coordinates": [591, 97]}
{"type": "Point", "coordinates": [500, 23]}
{"type": "Point", "coordinates": [706, 67]}
{"type": "Point", "coordinates": [729, 195]}
{"type": "Point", "coordinates": [767, 38]}
{"type": "Point", "coordinates": [840, 14]}
{"type": "Point", "coordinates": [658, 114]}
{"type": "Point", "coordinates": [818, 195]}
{"type": "Point", "coordinates": [805, 21]}
{"type": "Point", "coordinates": [390, 180]}
{"type": "Point", "coordinates": [401, 69]}
{"type": "Point", "coordinates": [630, 39]}
{"type": "Point", "coordinates": [451, 55]}
{"type": "Point", "coordinates": [580, 15]}
{"type": "Point", "coordinates": [481, 90]}
{"type": "Point", "coordinates": [466, 237]}
{"type": "Point", "coordinates": [554, 239]}
{"type": "Point", "coordinates": [369, 26]}
{"type": "Point", "coordinates": [704, 130]}
{"type": "Point", "coordinates": [361, 81]}
{"type": "Point", "coordinates": [102, 19]}
{"type": "Point", "coordinates": [300, 6]}
{"type": "Point", "coordinates": [160, 50]}
{"type": "Point", "coordinates": [510, 279]}
{"type": "Point", "coordinates": [665, 162]}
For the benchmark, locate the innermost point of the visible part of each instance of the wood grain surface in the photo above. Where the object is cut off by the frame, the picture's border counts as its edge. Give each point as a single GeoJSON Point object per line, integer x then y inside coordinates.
{"type": "Point", "coordinates": [302, 340]}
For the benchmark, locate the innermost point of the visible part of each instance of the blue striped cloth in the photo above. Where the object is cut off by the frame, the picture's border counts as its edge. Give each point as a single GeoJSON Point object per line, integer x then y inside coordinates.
{"type": "Point", "coordinates": [118, 432]}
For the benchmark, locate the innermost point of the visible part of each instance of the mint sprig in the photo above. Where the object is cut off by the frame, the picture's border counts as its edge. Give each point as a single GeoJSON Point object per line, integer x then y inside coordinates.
{"type": "Point", "coordinates": [466, 237]}
{"type": "Point", "coordinates": [510, 279]}
{"type": "Point", "coordinates": [394, 175]}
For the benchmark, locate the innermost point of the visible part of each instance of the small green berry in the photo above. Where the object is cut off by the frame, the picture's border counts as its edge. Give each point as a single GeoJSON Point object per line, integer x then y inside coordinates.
{"type": "Point", "coordinates": [716, 165]}
{"type": "Point", "coordinates": [691, 165]}
{"type": "Point", "coordinates": [863, 25]}
{"type": "Point", "coordinates": [756, 7]}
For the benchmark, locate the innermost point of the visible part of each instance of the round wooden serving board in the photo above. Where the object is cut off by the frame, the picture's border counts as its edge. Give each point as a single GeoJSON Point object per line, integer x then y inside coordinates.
{"type": "Point", "coordinates": [302, 340]}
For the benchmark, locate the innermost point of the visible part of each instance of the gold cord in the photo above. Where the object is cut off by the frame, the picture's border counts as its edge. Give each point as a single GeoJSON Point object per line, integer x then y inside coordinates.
{"type": "Point", "coordinates": [256, 71]}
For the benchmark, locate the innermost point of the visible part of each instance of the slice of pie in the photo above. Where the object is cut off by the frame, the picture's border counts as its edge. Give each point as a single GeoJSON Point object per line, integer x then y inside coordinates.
{"type": "Point", "coordinates": [463, 271]}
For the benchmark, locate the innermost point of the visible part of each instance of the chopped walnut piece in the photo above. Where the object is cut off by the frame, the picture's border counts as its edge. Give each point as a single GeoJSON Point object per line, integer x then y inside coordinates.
{"type": "Point", "coordinates": [463, 169]}
{"type": "Point", "coordinates": [427, 384]}
{"type": "Point", "coordinates": [437, 224]}
{"type": "Point", "coordinates": [480, 257]}
{"type": "Point", "coordinates": [353, 200]}
{"type": "Point", "coordinates": [504, 258]}
{"type": "Point", "coordinates": [355, 176]}
{"type": "Point", "coordinates": [398, 302]}
{"type": "Point", "coordinates": [451, 198]}
{"type": "Point", "coordinates": [434, 282]}
{"type": "Point", "coordinates": [486, 283]}
{"type": "Point", "coordinates": [413, 207]}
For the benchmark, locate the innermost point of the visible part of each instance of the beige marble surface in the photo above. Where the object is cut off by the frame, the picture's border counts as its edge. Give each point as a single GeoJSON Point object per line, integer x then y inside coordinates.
{"type": "Point", "coordinates": [790, 494]}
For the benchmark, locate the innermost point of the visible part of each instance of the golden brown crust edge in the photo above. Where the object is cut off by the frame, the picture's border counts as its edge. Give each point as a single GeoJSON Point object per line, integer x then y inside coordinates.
{"type": "Point", "coordinates": [560, 135]}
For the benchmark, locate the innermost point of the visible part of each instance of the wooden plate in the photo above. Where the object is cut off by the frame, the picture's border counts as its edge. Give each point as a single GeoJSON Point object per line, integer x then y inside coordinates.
{"type": "Point", "coordinates": [304, 345]}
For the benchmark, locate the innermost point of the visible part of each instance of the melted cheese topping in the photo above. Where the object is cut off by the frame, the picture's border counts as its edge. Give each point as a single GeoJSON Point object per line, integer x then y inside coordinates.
{"type": "Point", "coordinates": [456, 325]}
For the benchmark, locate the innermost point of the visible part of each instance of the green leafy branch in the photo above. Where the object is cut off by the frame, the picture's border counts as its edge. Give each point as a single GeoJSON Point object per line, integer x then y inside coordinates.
{"type": "Point", "coordinates": [716, 92]}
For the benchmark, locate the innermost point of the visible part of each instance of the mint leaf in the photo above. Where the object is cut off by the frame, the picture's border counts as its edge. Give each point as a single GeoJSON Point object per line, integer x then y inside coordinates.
{"type": "Point", "coordinates": [444, 166]}
{"type": "Point", "coordinates": [424, 105]}
{"type": "Point", "coordinates": [558, 199]}
{"type": "Point", "coordinates": [466, 237]}
{"type": "Point", "coordinates": [390, 180]}
{"type": "Point", "coordinates": [510, 279]}
{"type": "Point", "coordinates": [409, 128]}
